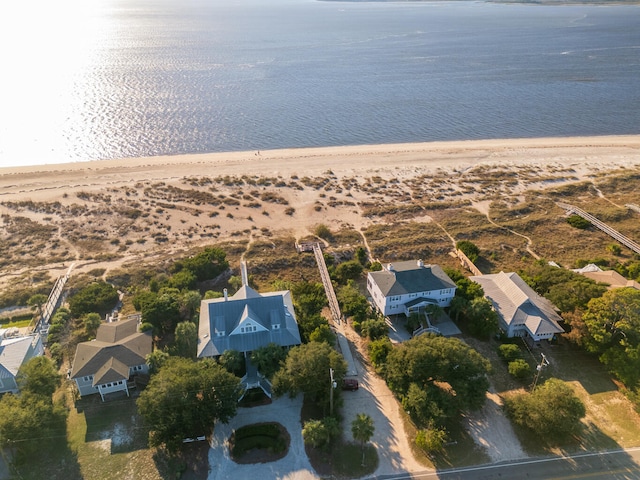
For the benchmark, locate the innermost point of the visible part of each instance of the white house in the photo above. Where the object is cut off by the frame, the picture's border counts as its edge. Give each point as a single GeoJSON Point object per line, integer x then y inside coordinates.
{"type": "Point", "coordinates": [408, 287]}
{"type": "Point", "coordinates": [14, 352]}
{"type": "Point", "coordinates": [104, 365]}
{"type": "Point", "coordinates": [521, 311]}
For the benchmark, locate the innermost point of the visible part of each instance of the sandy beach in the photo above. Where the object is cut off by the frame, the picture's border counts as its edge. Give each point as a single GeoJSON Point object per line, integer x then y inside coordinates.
{"type": "Point", "coordinates": [121, 206]}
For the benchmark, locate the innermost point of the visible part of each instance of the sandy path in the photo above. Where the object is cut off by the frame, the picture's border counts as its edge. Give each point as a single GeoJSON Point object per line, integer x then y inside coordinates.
{"type": "Point", "coordinates": [376, 400]}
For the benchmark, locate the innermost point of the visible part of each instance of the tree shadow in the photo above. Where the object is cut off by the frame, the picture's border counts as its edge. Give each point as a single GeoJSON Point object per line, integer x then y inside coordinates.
{"type": "Point", "coordinates": [116, 423]}
{"type": "Point", "coordinates": [190, 463]}
{"type": "Point", "coordinates": [572, 364]}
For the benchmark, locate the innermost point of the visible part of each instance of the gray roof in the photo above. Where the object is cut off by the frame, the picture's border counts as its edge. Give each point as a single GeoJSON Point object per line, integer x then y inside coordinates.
{"type": "Point", "coordinates": [111, 358]}
{"type": "Point", "coordinates": [245, 322]}
{"type": "Point", "coordinates": [518, 304]}
{"type": "Point", "coordinates": [13, 353]}
{"type": "Point", "coordinates": [411, 277]}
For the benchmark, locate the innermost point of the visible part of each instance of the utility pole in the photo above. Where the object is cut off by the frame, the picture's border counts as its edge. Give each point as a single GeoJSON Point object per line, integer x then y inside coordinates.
{"type": "Point", "coordinates": [543, 363]}
{"type": "Point", "coordinates": [332, 386]}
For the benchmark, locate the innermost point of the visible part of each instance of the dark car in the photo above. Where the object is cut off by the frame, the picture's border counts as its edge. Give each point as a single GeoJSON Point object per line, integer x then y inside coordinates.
{"type": "Point", "coordinates": [349, 384]}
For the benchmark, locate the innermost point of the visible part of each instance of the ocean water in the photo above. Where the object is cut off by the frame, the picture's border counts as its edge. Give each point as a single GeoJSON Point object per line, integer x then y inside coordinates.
{"type": "Point", "coordinates": [129, 78]}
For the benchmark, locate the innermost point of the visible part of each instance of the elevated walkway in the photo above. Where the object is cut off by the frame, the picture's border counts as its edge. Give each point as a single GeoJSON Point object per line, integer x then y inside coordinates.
{"type": "Point", "coordinates": [627, 242]}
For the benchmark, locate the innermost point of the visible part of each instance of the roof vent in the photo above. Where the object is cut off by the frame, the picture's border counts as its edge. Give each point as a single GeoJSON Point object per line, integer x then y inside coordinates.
{"type": "Point", "coordinates": [226, 294]}
{"type": "Point", "coordinates": [420, 263]}
{"type": "Point", "coordinates": [390, 267]}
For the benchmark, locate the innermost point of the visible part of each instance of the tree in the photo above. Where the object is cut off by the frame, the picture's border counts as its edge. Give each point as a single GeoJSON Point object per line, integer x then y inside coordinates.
{"type": "Point", "coordinates": [233, 361]}
{"type": "Point", "coordinates": [374, 328]}
{"type": "Point", "coordinates": [156, 360]}
{"type": "Point", "coordinates": [183, 280]}
{"type": "Point", "coordinates": [613, 325]}
{"type": "Point", "coordinates": [470, 249]}
{"type": "Point", "coordinates": [99, 297]}
{"type": "Point", "coordinates": [447, 367]}
{"type": "Point", "coordinates": [378, 352]}
{"type": "Point", "coordinates": [482, 318]}
{"type": "Point", "coordinates": [205, 265]}
{"type": "Point", "coordinates": [186, 340]}
{"type": "Point", "coordinates": [162, 310]}
{"type": "Point", "coordinates": [185, 398]}
{"type": "Point", "coordinates": [323, 333]}
{"type": "Point", "coordinates": [350, 270]}
{"type": "Point", "coordinates": [314, 433]}
{"type": "Point", "coordinates": [307, 370]}
{"type": "Point", "coordinates": [520, 369]}
{"type": "Point", "coordinates": [91, 322]}
{"type": "Point", "coordinates": [362, 429]}
{"type": "Point", "coordinates": [37, 301]}
{"type": "Point", "coordinates": [38, 376]}
{"type": "Point", "coordinates": [552, 410]}
{"type": "Point", "coordinates": [268, 359]}
{"type": "Point", "coordinates": [567, 290]}
{"type": "Point", "coordinates": [21, 416]}
{"type": "Point", "coordinates": [422, 405]}
{"type": "Point", "coordinates": [352, 302]}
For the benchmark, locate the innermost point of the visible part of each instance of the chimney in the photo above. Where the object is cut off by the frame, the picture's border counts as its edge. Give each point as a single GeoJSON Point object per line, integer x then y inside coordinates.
{"type": "Point", "coordinates": [226, 294]}
{"type": "Point", "coordinates": [420, 263]}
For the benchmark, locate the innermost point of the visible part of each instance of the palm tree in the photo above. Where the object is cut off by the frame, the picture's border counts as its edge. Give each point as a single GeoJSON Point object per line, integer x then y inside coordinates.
{"type": "Point", "coordinates": [362, 429]}
{"type": "Point", "coordinates": [37, 301]}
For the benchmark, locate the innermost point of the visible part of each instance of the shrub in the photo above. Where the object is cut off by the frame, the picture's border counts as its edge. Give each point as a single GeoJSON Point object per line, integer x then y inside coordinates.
{"type": "Point", "coordinates": [520, 369]}
{"type": "Point", "coordinates": [470, 249]}
{"type": "Point", "coordinates": [323, 231]}
{"type": "Point", "coordinates": [509, 352]}
{"type": "Point", "coordinates": [374, 329]}
{"type": "Point", "coordinates": [431, 440]}
{"type": "Point", "coordinates": [577, 221]}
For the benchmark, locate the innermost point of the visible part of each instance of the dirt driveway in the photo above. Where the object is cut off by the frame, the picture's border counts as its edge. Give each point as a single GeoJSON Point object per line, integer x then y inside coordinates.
{"type": "Point", "coordinates": [376, 400]}
{"type": "Point", "coordinates": [488, 426]}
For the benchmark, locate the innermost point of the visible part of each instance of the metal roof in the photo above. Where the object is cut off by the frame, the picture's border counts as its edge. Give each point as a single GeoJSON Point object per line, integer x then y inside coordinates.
{"type": "Point", "coordinates": [246, 321]}
{"type": "Point", "coordinates": [518, 304]}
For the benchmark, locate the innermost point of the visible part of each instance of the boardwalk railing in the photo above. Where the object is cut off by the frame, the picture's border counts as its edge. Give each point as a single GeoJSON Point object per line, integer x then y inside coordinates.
{"type": "Point", "coordinates": [328, 286]}
{"type": "Point", "coordinates": [602, 226]}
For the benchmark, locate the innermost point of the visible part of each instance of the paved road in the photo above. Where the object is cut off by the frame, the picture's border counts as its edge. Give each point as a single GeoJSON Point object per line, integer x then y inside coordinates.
{"type": "Point", "coordinates": [615, 465]}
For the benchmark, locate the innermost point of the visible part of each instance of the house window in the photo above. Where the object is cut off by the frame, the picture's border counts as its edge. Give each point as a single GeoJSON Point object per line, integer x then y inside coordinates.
{"type": "Point", "coordinates": [86, 379]}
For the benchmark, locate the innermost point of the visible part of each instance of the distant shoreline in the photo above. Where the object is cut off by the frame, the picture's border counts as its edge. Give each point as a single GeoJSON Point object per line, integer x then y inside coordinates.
{"type": "Point", "coordinates": [430, 155]}
{"type": "Point", "coordinates": [523, 2]}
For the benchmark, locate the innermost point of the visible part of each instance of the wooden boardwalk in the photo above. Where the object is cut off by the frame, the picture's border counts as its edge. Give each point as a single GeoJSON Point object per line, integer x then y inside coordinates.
{"type": "Point", "coordinates": [627, 242]}
{"type": "Point", "coordinates": [328, 286]}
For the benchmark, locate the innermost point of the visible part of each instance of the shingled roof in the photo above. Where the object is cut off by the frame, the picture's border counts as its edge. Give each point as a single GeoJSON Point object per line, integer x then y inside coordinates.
{"type": "Point", "coordinates": [410, 276]}
{"type": "Point", "coordinates": [118, 346]}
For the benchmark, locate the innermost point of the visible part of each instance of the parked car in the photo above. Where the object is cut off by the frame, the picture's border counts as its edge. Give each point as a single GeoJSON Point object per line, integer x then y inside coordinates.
{"type": "Point", "coordinates": [350, 384]}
